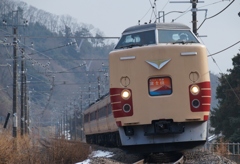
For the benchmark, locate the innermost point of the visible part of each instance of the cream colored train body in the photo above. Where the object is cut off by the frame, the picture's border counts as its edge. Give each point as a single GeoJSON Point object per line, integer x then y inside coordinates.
{"type": "Point", "coordinates": [159, 89]}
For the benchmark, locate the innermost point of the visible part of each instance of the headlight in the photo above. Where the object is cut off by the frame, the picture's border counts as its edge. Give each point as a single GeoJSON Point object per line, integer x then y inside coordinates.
{"type": "Point", "coordinates": [126, 94]}
{"type": "Point", "coordinates": [194, 89]}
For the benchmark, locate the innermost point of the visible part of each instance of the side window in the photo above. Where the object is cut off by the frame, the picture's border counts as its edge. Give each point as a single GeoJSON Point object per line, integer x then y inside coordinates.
{"type": "Point", "coordinates": [96, 115]}
{"type": "Point", "coordinates": [102, 112]}
{"type": "Point", "coordinates": [92, 116]}
{"type": "Point", "coordinates": [86, 117]}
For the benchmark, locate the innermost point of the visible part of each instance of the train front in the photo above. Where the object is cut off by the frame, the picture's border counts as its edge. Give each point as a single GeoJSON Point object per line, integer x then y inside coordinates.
{"type": "Point", "coordinates": [160, 88]}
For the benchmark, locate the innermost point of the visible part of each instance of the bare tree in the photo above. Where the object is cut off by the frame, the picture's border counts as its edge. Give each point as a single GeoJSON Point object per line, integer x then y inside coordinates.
{"type": "Point", "coordinates": [31, 16]}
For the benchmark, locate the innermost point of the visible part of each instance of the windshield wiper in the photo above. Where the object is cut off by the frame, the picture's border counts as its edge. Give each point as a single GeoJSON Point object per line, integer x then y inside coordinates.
{"type": "Point", "coordinates": [184, 42]}
{"type": "Point", "coordinates": [130, 45]}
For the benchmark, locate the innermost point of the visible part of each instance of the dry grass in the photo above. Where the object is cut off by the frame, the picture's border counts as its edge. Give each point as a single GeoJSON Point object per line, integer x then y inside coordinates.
{"type": "Point", "coordinates": [22, 150]}
{"type": "Point", "coordinates": [63, 151]}
{"type": "Point", "coordinates": [221, 148]}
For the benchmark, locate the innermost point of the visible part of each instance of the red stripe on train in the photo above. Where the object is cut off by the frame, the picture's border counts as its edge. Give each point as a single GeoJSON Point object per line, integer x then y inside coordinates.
{"type": "Point", "coordinates": [204, 97]}
{"type": "Point", "coordinates": [117, 103]}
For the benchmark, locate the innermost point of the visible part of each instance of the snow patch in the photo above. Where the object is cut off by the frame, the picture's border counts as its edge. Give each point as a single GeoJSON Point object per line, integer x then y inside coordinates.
{"type": "Point", "coordinates": [98, 153]}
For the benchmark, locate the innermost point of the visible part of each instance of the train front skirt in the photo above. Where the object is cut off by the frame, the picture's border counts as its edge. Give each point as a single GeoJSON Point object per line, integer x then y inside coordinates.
{"type": "Point", "coordinates": [194, 134]}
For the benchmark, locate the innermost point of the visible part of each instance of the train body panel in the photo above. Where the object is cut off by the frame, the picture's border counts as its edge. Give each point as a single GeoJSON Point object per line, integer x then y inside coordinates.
{"type": "Point", "coordinates": [178, 70]}
{"type": "Point", "coordinates": [195, 131]}
{"type": "Point", "coordinates": [160, 91]}
{"type": "Point", "coordinates": [99, 118]}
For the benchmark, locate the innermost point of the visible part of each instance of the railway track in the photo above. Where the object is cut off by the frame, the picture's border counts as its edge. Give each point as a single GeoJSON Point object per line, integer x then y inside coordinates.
{"type": "Point", "coordinates": [179, 161]}
{"type": "Point", "coordinates": [163, 158]}
{"type": "Point", "coordinates": [160, 158]}
{"type": "Point", "coordinates": [166, 158]}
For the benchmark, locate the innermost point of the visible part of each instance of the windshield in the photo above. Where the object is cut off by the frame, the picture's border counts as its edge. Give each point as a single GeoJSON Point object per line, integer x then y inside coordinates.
{"type": "Point", "coordinates": [176, 36]}
{"type": "Point", "coordinates": [136, 39]}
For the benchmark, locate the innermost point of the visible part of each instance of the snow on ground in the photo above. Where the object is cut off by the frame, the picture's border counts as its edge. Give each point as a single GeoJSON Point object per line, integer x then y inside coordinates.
{"type": "Point", "coordinates": [98, 153]}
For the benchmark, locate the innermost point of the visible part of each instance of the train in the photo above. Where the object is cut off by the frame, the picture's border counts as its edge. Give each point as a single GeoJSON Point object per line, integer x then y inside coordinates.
{"type": "Point", "coordinates": [159, 92]}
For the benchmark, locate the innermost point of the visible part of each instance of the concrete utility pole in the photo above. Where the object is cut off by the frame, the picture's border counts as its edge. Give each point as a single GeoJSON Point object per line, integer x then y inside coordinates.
{"type": "Point", "coordinates": [194, 13]}
{"type": "Point", "coordinates": [26, 106]}
{"type": "Point", "coordinates": [194, 16]}
{"type": "Point", "coordinates": [15, 26]}
{"type": "Point", "coordinates": [22, 94]}
{"type": "Point", "coordinates": [14, 134]}
{"type": "Point", "coordinates": [98, 87]}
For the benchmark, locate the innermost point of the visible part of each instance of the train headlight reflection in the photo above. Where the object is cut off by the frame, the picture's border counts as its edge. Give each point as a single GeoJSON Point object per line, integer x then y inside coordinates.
{"type": "Point", "coordinates": [195, 89]}
{"type": "Point", "coordinates": [125, 94]}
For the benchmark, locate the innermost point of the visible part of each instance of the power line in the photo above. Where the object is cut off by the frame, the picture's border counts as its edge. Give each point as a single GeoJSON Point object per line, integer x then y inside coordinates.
{"type": "Point", "coordinates": [153, 10]}
{"type": "Point", "coordinates": [183, 13]}
{"type": "Point", "coordinates": [224, 49]}
{"type": "Point", "coordinates": [222, 73]}
{"type": "Point", "coordinates": [165, 5]}
{"type": "Point", "coordinates": [145, 14]}
{"type": "Point", "coordinates": [65, 45]}
{"type": "Point", "coordinates": [100, 59]}
{"type": "Point", "coordinates": [78, 37]}
{"type": "Point", "coordinates": [211, 4]}
{"type": "Point", "coordinates": [215, 14]}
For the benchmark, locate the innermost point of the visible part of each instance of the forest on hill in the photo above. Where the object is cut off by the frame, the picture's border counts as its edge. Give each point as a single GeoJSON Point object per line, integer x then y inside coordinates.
{"type": "Point", "coordinates": [65, 62]}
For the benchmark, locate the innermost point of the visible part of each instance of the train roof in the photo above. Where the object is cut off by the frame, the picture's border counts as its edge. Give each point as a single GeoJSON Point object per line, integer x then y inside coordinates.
{"type": "Point", "coordinates": [154, 26]}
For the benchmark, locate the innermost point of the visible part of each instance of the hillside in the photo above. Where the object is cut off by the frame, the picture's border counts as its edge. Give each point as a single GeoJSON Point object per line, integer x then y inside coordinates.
{"type": "Point", "coordinates": [64, 61]}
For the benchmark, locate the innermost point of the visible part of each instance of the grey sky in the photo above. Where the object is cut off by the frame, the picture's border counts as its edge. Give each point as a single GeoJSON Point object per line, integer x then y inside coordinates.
{"type": "Point", "coordinates": [113, 16]}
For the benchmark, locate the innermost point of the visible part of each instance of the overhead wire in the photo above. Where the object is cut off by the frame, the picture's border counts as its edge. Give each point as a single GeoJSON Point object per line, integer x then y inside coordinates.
{"type": "Point", "coordinates": [184, 12]}
{"type": "Point", "coordinates": [73, 59]}
{"type": "Point", "coordinates": [211, 4]}
{"type": "Point", "coordinates": [26, 55]}
{"type": "Point", "coordinates": [165, 5]}
{"type": "Point", "coordinates": [224, 49]}
{"type": "Point", "coordinates": [145, 14]}
{"type": "Point", "coordinates": [153, 6]}
{"type": "Point", "coordinates": [10, 72]}
{"type": "Point", "coordinates": [223, 74]}
{"type": "Point", "coordinates": [215, 14]}
{"type": "Point", "coordinates": [77, 37]}
{"type": "Point", "coordinates": [65, 45]}
{"type": "Point", "coordinates": [187, 10]}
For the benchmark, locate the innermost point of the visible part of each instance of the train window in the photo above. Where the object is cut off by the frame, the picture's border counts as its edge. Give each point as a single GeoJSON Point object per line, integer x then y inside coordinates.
{"type": "Point", "coordinates": [102, 112]}
{"type": "Point", "coordinates": [92, 116]}
{"type": "Point", "coordinates": [86, 117]}
{"type": "Point", "coordinates": [176, 36]}
{"type": "Point", "coordinates": [136, 39]}
{"type": "Point", "coordinates": [159, 86]}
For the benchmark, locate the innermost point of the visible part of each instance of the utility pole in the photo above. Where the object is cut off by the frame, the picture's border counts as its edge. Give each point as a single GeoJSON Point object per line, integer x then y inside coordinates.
{"type": "Point", "coordinates": [82, 121]}
{"type": "Point", "coordinates": [15, 75]}
{"type": "Point", "coordinates": [75, 108]}
{"type": "Point", "coordinates": [26, 106]}
{"type": "Point", "coordinates": [98, 87]}
{"type": "Point", "coordinates": [14, 134]}
{"type": "Point", "coordinates": [89, 87]}
{"type": "Point", "coordinates": [22, 94]}
{"type": "Point", "coordinates": [194, 13]}
{"type": "Point", "coordinates": [194, 16]}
